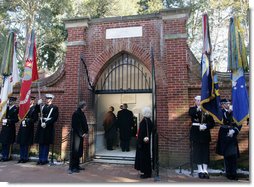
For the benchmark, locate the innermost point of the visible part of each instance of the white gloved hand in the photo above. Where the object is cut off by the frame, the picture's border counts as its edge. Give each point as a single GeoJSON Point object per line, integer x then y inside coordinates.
{"type": "Point", "coordinates": [202, 127]}
{"type": "Point", "coordinates": [39, 101]}
{"type": "Point", "coordinates": [4, 121]}
{"type": "Point", "coordinates": [199, 108]}
{"type": "Point", "coordinates": [24, 123]}
{"type": "Point", "coordinates": [43, 125]}
{"type": "Point", "coordinates": [230, 133]}
{"type": "Point", "coordinates": [231, 107]}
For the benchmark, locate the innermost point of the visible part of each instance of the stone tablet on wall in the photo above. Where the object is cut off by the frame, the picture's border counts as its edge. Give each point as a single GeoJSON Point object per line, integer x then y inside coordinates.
{"type": "Point", "coordinates": [126, 32]}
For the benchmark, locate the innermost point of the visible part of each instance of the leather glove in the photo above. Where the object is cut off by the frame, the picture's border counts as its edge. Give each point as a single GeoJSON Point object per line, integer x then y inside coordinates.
{"type": "Point", "coordinates": [230, 133]}
{"type": "Point", "coordinates": [202, 127]}
{"type": "Point", "coordinates": [24, 123]}
{"type": "Point", "coordinates": [43, 125]}
{"type": "Point", "coordinates": [39, 101]}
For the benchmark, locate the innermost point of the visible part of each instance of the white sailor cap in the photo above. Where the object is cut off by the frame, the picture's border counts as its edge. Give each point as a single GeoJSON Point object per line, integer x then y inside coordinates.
{"type": "Point", "coordinates": [50, 96]}
{"type": "Point", "coordinates": [198, 97]}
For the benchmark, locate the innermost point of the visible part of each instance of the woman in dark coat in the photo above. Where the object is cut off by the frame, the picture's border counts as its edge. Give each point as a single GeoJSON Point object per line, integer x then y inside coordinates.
{"type": "Point", "coordinates": [109, 124]}
{"type": "Point", "coordinates": [143, 150]}
{"type": "Point", "coordinates": [26, 131]}
{"type": "Point", "coordinates": [79, 130]}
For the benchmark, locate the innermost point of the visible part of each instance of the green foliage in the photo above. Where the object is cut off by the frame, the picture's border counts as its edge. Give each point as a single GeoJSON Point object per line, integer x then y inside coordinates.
{"type": "Point", "coordinates": [149, 6]}
{"type": "Point", "coordinates": [46, 17]}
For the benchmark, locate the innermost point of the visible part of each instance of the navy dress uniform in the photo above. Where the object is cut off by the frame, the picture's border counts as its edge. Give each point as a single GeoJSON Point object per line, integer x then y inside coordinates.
{"type": "Point", "coordinates": [25, 136]}
{"type": "Point", "coordinates": [8, 132]}
{"type": "Point", "coordinates": [200, 137]}
{"type": "Point", "coordinates": [45, 133]}
{"type": "Point", "coordinates": [227, 144]}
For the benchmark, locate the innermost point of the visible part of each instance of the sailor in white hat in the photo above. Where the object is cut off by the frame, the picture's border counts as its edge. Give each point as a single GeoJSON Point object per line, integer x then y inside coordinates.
{"type": "Point", "coordinates": [200, 137]}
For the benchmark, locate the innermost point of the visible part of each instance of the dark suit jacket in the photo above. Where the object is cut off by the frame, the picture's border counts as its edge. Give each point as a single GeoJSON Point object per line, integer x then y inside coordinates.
{"type": "Point", "coordinates": [26, 133]}
{"type": "Point", "coordinates": [47, 135]}
{"type": "Point", "coordinates": [125, 122]}
{"type": "Point", "coordinates": [8, 132]}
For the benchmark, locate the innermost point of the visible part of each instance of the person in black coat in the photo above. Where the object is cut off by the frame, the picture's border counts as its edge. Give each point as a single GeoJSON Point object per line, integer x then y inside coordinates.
{"type": "Point", "coordinates": [227, 144]}
{"type": "Point", "coordinates": [8, 132]}
{"type": "Point", "coordinates": [79, 130]}
{"type": "Point", "coordinates": [125, 122]}
{"type": "Point", "coordinates": [143, 148]}
{"type": "Point", "coordinates": [25, 136]}
{"type": "Point", "coordinates": [200, 137]}
{"type": "Point", "coordinates": [109, 124]}
{"type": "Point", "coordinates": [45, 133]}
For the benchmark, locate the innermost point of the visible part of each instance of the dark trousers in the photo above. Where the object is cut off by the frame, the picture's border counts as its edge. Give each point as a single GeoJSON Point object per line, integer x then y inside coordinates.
{"type": "Point", "coordinates": [6, 149]}
{"type": "Point", "coordinates": [125, 145]}
{"type": "Point", "coordinates": [43, 152]}
{"type": "Point", "coordinates": [74, 161]}
{"type": "Point", "coordinates": [109, 143]}
{"type": "Point", "coordinates": [24, 152]}
{"type": "Point", "coordinates": [231, 165]}
{"type": "Point", "coordinates": [201, 153]}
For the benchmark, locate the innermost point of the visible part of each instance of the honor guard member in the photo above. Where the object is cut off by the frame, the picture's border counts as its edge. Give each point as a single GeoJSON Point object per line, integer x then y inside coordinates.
{"type": "Point", "coordinates": [227, 144]}
{"type": "Point", "coordinates": [25, 136]}
{"type": "Point", "coordinates": [200, 137]}
{"type": "Point", "coordinates": [45, 133]}
{"type": "Point", "coordinates": [8, 132]}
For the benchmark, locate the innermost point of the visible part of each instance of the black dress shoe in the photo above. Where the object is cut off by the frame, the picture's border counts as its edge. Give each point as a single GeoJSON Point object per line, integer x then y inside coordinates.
{"type": "Point", "coordinates": [144, 176]}
{"type": "Point", "coordinates": [38, 163]}
{"type": "Point", "coordinates": [5, 159]}
{"type": "Point", "coordinates": [75, 170]}
{"type": "Point", "coordinates": [201, 175]}
{"type": "Point", "coordinates": [80, 168]}
{"type": "Point", "coordinates": [20, 161]}
{"type": "Point", "coordinates": [206, 176]}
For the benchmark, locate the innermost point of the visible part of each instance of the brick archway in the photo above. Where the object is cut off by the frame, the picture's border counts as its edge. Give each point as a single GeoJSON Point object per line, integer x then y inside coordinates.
{"type": "Point", "coordinates": [101, 61]}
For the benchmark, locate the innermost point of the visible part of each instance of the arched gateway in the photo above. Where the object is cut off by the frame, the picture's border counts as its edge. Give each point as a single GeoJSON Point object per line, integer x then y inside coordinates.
{"type": "Point", "coordinates": [108, 62]}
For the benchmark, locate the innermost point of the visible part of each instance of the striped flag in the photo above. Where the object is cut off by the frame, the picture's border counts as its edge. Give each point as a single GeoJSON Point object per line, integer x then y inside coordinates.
{"type": "Point", "coordinates": [9, 72]}
{"type": "Point", "coordinates": [30, 74]}
{"type": "Point", "coordinates": [238, 64]}
{"type": "Point", "coordinates": [210, 97]}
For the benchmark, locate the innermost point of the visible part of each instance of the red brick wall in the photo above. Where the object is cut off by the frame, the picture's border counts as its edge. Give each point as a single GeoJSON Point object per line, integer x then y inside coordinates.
{"type": "Point", "coordinates": [177, 78]}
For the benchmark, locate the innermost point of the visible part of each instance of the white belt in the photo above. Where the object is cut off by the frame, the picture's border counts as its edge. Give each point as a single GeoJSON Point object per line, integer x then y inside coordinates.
{"type": "Point", "coordinates": [198, 124]}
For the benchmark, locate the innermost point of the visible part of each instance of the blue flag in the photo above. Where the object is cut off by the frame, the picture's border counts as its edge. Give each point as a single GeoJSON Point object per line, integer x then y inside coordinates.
{"type": "Point", "coordinates": [210, 97]}
{"type": "Point", "coordinates": [237, 64]}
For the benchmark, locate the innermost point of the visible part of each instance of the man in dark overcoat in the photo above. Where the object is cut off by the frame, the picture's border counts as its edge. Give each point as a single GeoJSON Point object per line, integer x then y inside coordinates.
{"type": "Point", "coordinates": [200, 137]}
{"type": "Point", "coordinates": [79, 131]}
{"type": "Point", "coordinates": [125, 122]}
{"type": "Point", "coordinates": [8, 132]}
{"type": "Point", "coordinates": [109, 124]}
{"type": "Point", "coordinates": [227, 144]}
{"type": "Point", "coordinates": [45, 133]}
{"type": "Point", "coordinates": [25, 136]}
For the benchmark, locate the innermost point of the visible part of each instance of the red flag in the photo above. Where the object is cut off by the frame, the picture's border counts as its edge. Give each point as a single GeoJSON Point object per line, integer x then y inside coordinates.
{"type": "Point", "coordinates": [30, 74]}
